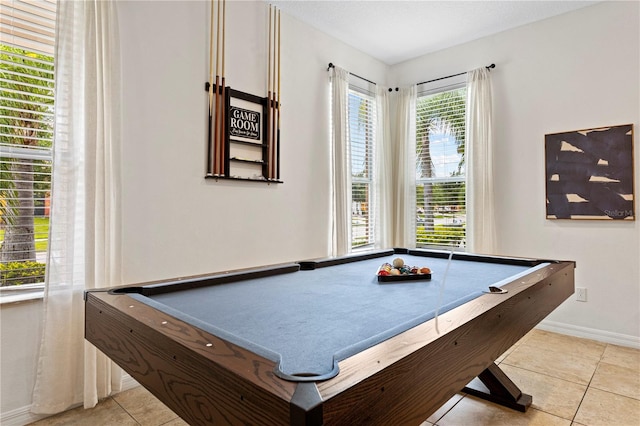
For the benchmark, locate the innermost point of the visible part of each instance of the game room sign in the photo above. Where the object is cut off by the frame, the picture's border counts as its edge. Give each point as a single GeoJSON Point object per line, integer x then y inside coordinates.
{"type": "Point", "coordinates": [244, 123]}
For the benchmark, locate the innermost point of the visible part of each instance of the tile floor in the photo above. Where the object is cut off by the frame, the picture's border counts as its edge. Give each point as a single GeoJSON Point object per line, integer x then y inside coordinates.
{"type": "Point", "coordinates": [573, 382]}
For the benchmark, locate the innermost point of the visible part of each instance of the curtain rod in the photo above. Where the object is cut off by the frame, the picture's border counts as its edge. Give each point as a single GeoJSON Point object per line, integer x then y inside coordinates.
{"type": "Point", "coordinates": [489, 67]}
{"type": "Point", "coordinates": [355, 75]}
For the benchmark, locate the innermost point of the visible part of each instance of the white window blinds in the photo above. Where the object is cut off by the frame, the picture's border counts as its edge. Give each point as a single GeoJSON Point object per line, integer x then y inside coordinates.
{"type": "Point", "coordinates": [362, 119]}
{"type": "Point", "coordinates": [27, 32]}
{"type": "Point", "coordinates": [440, 169]}
{"type": "Point", "coordinates": [28, 24]}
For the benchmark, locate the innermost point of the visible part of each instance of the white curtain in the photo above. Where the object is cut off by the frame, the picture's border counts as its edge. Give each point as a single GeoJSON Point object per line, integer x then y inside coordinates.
{"type": "Point", "coordinates": [384, 171]}
{"type": "Point", "coordinates": [480, 194]}
{"type": "Point", "coordinates": [84, 242]}
{"type": "Point", "coordinates": [341, 172]}
{"type": "Point", "coordinates": [404, 187]}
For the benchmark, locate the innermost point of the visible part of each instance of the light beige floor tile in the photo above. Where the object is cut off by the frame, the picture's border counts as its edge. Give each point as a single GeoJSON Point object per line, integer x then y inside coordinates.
{"type": "Point", "coordinates": [506, 353]}
{"type": "Point", "coordinates": [566, 344]}
{"type": "Point", "coordinates": [145, 408]}
{"type": "Point", "coordinates": [515, 345]}
{"type": "Point", "coordinates": [600, 408]}
{"type": "Point", "coordinates": [622, 356]}
{"type": "Point", "coordinates": [445, 408]}
{"type": "Point", "coordinates": [107, 412]}
{"type": "Point", "coordinates": [176, 422]}
{"type": "Point", "coordinates": [551, 395]}
{"type": "Point", "coordinates": [621, 380]}
{"type": "Point", "coordinates": [472, 411]}
{"type": "Point", "coordinates": [569, 365]}
{"type": "Point", "coordinates": [526, 337]}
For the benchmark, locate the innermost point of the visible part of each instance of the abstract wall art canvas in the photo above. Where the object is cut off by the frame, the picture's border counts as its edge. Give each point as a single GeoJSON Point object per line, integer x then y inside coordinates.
{"type": "Point", "coordinates": [589, 174]}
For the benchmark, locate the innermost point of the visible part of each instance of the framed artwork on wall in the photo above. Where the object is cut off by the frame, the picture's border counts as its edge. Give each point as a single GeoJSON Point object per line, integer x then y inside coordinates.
{"type": "Point", "coordinates": [589, 174]}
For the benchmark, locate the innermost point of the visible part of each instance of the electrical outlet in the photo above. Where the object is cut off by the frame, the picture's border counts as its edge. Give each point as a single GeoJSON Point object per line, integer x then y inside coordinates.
{"type": "Point", "coordinates": [581, 294]}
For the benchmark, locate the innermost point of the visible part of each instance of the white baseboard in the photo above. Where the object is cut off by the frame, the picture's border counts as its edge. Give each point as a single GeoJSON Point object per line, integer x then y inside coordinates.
{"type": "Point", "coordinates": [591, 333]}
{"type": "Point", "coordinates": [20, 417]}
{"type": "Point", "coordinates": [24, 416]}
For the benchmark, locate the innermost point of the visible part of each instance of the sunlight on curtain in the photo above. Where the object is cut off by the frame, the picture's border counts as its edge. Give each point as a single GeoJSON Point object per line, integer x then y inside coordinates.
{"type": "Point", "coordinates": [404, 188]}
{"type": "Point", "coordinates": [85, 214]}
{"type": "Point", "coordinates": [341, 172]}
{"type": "Point", "coordinates": [480, 194]}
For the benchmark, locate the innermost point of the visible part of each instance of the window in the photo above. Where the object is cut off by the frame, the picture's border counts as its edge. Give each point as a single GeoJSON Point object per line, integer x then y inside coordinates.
{"type": "Point", "coordinates": [27, 32]}
{"type": "Point", "coordinates": [440, 168]}
{"type": "Point", "coordinates": [361, 114]}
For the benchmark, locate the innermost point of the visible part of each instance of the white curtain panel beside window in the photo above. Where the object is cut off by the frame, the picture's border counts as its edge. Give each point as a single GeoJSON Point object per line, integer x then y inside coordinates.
{"type": "Point", "coordinates": [341, 171]}
{"type": "Point", "coordinates": [84, 245]}
{"type": "Point", "coordinates": [481, 236]}
{"type": "Point", "coordinates": [404, 187]}
{"type": "Point", "coordinates": [384, 171]}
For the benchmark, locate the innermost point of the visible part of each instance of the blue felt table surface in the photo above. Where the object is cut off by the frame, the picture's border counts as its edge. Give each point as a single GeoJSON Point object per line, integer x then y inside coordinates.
{"type": "Point", "coordinates": [309, 320]}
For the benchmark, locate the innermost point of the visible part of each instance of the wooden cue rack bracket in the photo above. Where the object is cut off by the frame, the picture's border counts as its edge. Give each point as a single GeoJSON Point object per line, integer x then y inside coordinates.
{"type": "Point", "coordinates": [247, 151]}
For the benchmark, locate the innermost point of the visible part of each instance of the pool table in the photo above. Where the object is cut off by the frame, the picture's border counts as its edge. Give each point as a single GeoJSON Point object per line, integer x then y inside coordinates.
{"type": "Point", "coordinates": [327, 341]}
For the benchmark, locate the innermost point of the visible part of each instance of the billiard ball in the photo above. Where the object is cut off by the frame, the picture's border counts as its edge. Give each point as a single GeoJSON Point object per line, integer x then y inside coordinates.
{"type": "Point", "coordinates": [398, 262]}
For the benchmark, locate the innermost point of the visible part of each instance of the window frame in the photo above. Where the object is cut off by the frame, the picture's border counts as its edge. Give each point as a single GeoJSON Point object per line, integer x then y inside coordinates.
{"type": "Point", "coordinates": [28, 81]}
{"type": "Point", "coordinates": [366, 92]}
{"type": "Point", "coordinates": [455, 240]}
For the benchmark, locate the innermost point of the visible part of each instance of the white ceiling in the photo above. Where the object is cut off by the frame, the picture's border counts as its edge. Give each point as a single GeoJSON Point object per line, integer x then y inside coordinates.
{"type": "Point", "coordinates": [394, 31]}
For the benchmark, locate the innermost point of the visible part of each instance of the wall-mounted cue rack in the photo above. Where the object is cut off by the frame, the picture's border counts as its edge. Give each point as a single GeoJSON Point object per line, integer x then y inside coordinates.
{"type": "Point", "coordinates": [248, 149]}
{"type": "Point", "coordinates": [244, 130]}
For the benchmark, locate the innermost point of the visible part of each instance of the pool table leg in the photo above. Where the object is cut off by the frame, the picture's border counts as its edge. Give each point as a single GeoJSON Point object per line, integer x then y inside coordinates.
{"type": "Point", "coordinates": [501, 390]}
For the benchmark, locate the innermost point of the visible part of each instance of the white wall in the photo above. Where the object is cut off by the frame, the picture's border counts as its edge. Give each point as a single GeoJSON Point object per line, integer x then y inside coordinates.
{"type": "Point", "coordinates": [571, 72]}
{"type": "Point", "coordinates": [575, 71]}
{"type": "Point", "coordinates": [175, 222]}
{"type": "Point", "coordinates": [20, 331]}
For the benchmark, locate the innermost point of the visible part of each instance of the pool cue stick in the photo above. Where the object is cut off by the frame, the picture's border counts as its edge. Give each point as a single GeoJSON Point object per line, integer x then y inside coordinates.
{"type": "Point", "coordinates": [277, 153]}
{"type": "Point", "coordinates": [210, 142]}
{"type": "Point", "coordinates": [268, 120]}
{"type": "Point", "coordinates": [275, 100]}
{"type": "Point", "coordinates": [218, 95]}
{"type": "Point", "coordinates": [223, 102]}
{"type": "Point", "coordinates": [217, 117]}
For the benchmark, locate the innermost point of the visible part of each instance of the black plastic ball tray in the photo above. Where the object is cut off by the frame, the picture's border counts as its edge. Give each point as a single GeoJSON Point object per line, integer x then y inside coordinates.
{"type": "Point", "coordinates": [402, 277]}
